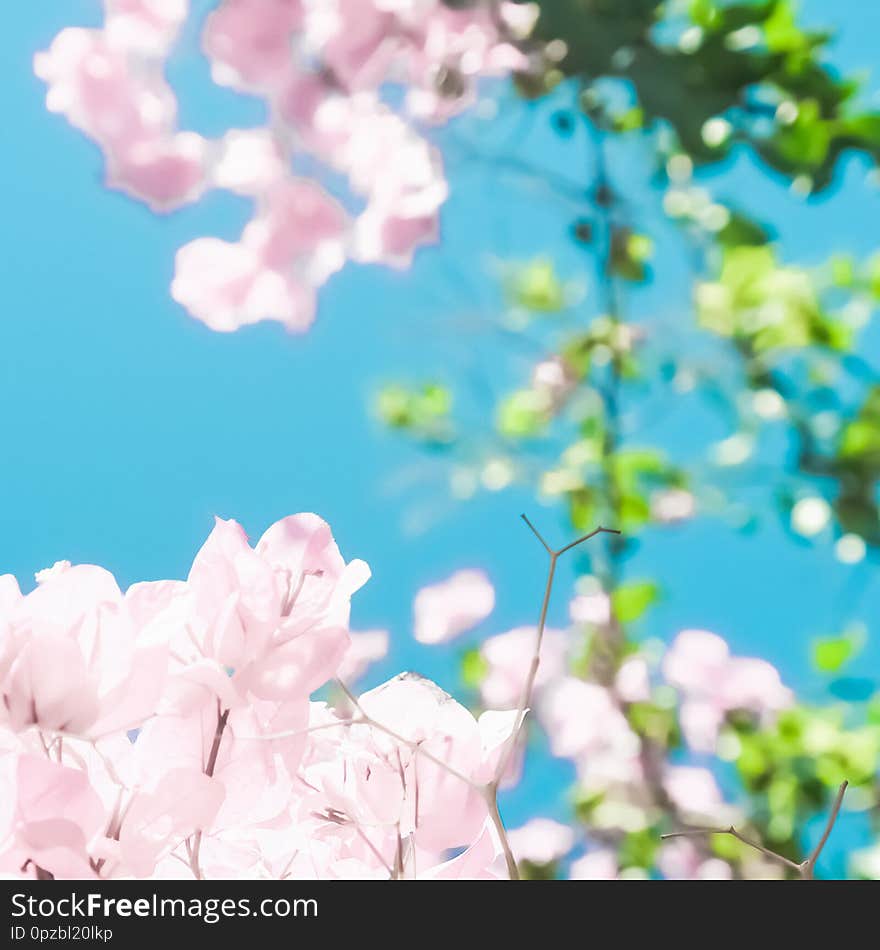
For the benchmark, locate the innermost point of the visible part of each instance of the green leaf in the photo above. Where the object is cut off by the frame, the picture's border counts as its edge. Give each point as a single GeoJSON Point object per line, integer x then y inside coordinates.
{"type": "Point", "coordinates": [633, 598]}
{"type": "Point", "coordinates": [537, 287]}
{"type": "Point", "coordinates": [655, 723]}
{"type": "Point", "coordinates": [630, 120]}
{"type": "Point", "coordinates": [830, 654]}
{"type": "Point", "coordinates": [424, 410]}
{"type": "Point", "coordinates": [523, 414]}
{"type": "Point", "coordinates": [843, 270]}
{"type": "Point", "coordinates": [629, 254]}
{"type": "Point", "coordinates": [635, 510]}
{"type": "Point", "coordinates": [874, 275]}
{"type": "Point", "coordinates": [638, 848]}
{"type": "Point", "coordinates": [742, 230]}
{"type": "Point", "coordinates": [582, 509]}
{"type": "Point", "coordinates": [473, 668]}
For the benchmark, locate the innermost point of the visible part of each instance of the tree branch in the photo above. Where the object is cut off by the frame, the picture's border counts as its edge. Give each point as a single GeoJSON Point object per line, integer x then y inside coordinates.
{"type": "Point", "coordinates": [222, 719]}
{"type": "Point", "coordinates": [806, 867]}
{"type": "Point", "coordinates": [809, 865]}
{"type": "Point", "coordinates": [526, 695]}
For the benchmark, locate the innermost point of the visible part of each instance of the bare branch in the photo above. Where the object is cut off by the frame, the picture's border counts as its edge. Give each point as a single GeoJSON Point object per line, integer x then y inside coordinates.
{"type": "Point", "coordinates": [526, 695]}
{"type": "Point", "coordinates": [222, 719]}
{"type": "Point", "coordinates": [810, 864]}
{"type": "Point", "coordinates": [490, 794]}
{"type": "Point", "coordinates": [587, 537]}
{"type": "Point", "coordinates": [572, 544]}
{"type": "Point", "coordinates": [415, 747]}
{"type": "Point", "coordinates": [491, 791]}
{"type": "Point", "coordinates": [700, 832]}
{"type": "Point", "coordinates": [537, 534]}
{"type": "Point", "coordinates": [805, 868]}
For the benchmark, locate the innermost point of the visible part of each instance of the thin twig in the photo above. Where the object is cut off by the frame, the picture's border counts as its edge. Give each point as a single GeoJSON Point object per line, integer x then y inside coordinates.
{"type": "Point", "coordinates": [415, 747]}
{"type": "Point", "coordinates": [806, 867]}
{"type": "Point", "coordinates": [490, 794]}
{"type": "Point", "coordinates": [222, 718]}
{"type": "Point", "coordinates": [695, 832]}
{"type": "Point", "coordinates": [809, 865]}
{"type": "Point", "coordinates": [525, 697]}
{"type": "Point", "coordinates": [537, 534]}
{"type": "Point", "coordinates": [294, 733]}
{"type": "Point", "coordinates": [491, 790]}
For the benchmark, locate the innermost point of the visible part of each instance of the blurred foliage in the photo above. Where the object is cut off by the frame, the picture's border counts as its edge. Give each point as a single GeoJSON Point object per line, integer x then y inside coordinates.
{"type": "Point", "coordinates": [718, 72]}
{"type": "Point", "coordinates": [423, 411]}
{"type": "Point", "coordinates": [704, 77]}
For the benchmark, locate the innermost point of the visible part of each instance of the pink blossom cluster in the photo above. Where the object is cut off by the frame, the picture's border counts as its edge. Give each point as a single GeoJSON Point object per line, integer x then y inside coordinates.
{"type": "Point", "coordinates": [713, 683]}
{"type": "Point", "coordinates": [323, 67]}
{"type": "Point", "coordinates": [171, 729]}
{"type": "Point", "coordinates": [587, 722]}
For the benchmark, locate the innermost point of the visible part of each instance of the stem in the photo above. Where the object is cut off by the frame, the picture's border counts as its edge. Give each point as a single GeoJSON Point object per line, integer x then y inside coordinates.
{"type": "Point", "coordinates": [806, 868]}
{"type": "Point", "coordinates": [222, 719]}
{"type": "Point", "coordinates": [488, 791]}
{"type": "Point", "coordinates": [695, 832]}
{"type": "Point", "coordinates": [526, 695]}
{"type": "Point", "coordinates": [610, 391]}
{"type": "Point", "coordinates": [809, 865]}
{"type": "Point", "coordinates": [414, 747]}
{"type": "Point", "coordinates": [490, 794]}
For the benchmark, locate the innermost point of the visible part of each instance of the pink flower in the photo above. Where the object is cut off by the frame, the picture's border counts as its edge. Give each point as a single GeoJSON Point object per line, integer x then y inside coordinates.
{"type": "Point", "coordinates": [509, 656]}
{"type": "Point", "coordinates": [672, 505]}
{"type": "Point", "coordinates": [226, 287]}
{"type": "Point", "coordinates": [600, 865]}
{"type": "Point", "coordinates": [164, 171]}
{"type": "Point", "coordinates": [365, 648]}
{"type": "Point", "coordinates": [357, 41]}
{"type": "Point", "coordinates": [713, 683]}
{"type": "Point", "coordinates": [73, 660]}
{"type": "Point", "coordinates": [590, 609]}
{"type": "Point", "coordinates": [148, 26]}
{"type": "Point", "coordinates": [394, 781]}
{"type": "Point", "coordinates": [250, 162]}
{"type": "Point", "coordinates": [288, 249]}
{"type": "Point", "coordinates": [299, 220]}
{"type": "Point", "coordinates": [129, 110]}
{"type": "Point", "coordinates": [632, 682]}
{"type": "Point", "coordinates": [583, 720]}
{"type": "Point", "coordinates": [55, 820]}
{"type": "Point", "coordinates": [274, 616]}
{"type": "Point", "coordinates": [444, 611]}
{"type": "Point", "coordinates": [680, 860]}
{"type": "Point", "coordinates": [694, 792]}
{"type": "Point", "coordinates": [322, 69]}
{"type": "Point", "coordinates": [483, 860]}
{"type": "Point", "coordinates": [541, 841]}
{"type": "Point", "coordinates": [249, 41]}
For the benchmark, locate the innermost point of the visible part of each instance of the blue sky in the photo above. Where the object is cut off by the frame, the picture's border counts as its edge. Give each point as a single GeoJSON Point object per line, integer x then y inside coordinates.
{"type": "Point", "coordinates": [127, 426]}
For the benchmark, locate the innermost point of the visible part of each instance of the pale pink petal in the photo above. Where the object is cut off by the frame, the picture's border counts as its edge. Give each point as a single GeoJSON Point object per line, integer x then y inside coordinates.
{"type": "Point", "coordinates": [541, 841]}
{"type": "Point", "coordinates": [249, 41]}
{"type": "Point", "coordinates": [446, 610]}
{"type": "Point", "coordinates": [598, 865]}
{"type": "Point", "coordinates": [632, 682]}
{"type": "Point", "coordinates": [483, 860]}
{"type": "Point", "coordinates": [509, 657]}
{"type": "Point", "coordinates": [590, 609]}
{"type": "Point", "coordinates": [694, 791]}
{"type": "Point", "coordinates": [696, 661]}
{"type": "Point", "coordinates": [366, 647]}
